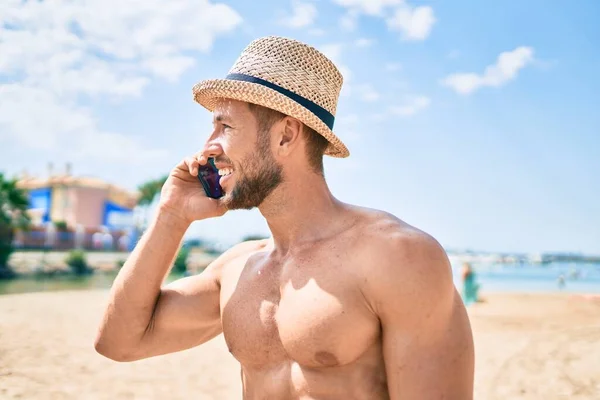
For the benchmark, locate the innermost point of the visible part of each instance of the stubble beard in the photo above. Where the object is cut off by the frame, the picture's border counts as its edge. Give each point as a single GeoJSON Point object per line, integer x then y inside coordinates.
{"type": "Point", "coordinates": [257, 176]}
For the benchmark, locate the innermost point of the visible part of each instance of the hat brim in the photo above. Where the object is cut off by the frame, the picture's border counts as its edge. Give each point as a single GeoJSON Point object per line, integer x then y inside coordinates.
{"type": "Point", "coordinates": [207, 93]}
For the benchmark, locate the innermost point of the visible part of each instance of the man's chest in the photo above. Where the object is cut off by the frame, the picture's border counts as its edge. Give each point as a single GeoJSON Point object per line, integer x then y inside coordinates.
{"type": "Point", "coordinates": [308, 313]}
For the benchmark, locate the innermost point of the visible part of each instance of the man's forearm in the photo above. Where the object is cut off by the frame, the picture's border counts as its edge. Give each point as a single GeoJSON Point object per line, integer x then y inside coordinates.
{"type": "Point", "coordinates": [136, 289]}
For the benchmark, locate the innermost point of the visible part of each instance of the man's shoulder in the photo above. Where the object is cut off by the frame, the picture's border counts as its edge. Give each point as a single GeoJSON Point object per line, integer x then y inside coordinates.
{"type": "Point", "coordinates": [247, 248]}
{"type": "Point", "coordinates": [390, 248]}
{"type": "Point", "coordinates": [400, 263]}
{"type": "Point", "coordinates": [239, 253]}
{"type": "Point", "coordinates": [387, 232]}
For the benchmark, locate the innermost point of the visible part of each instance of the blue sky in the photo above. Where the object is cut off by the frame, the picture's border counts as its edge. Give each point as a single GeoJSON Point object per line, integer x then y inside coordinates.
{"type": "Point", "coordinates": [474, 121]}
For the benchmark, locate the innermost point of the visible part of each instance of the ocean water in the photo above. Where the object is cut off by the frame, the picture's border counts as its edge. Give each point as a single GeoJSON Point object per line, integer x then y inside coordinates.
{"type": "Point", "coordinates": [530, 278]}
{"type": "Point", "coordinates": [579, 278]}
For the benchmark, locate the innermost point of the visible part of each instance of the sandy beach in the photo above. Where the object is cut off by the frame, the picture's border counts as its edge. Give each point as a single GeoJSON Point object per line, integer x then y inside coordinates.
{"type": "Point", "coordinates": [528, 347]}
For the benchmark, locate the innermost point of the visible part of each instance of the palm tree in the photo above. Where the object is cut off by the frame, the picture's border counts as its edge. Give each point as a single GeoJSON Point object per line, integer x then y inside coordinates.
{"type": "Point", "coordinates": [13, 215]}
{"type": "Point", "coordinates": [149, 190]}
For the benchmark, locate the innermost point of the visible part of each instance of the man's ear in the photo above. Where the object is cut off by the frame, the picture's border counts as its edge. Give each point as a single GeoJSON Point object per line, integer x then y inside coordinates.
{"type": "Point", "coordinates": [290, 133]}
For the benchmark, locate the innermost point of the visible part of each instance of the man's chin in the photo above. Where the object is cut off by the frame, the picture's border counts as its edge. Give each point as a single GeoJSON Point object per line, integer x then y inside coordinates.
{"type": "Point", "coordinates": [227, 201]}
{"type": "Point", "coordinates": [233, 203]}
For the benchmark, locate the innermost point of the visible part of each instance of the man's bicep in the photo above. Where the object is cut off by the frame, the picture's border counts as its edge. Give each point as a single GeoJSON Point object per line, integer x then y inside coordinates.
{"type": "Point", "coordinates": [429, 356]}
{"type": "Point", "coordinates": [426, 335]}
{"type": "Point", "coordinates": [193, 303]}
{"type": "Point", "coordinates": [189, 303]}
{"type": "Point", "coordinates": [186, 314]}
{"type": "Point", "coordinates": [188, 311]}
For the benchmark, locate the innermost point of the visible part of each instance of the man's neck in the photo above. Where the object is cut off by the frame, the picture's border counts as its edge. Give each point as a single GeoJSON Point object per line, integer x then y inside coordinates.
{"type": "Point", "coordinates": [300, 212]}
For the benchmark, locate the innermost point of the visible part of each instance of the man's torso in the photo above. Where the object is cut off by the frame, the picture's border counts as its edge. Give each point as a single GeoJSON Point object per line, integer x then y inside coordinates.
{"type": "Point", "coordinates": [300, 325]}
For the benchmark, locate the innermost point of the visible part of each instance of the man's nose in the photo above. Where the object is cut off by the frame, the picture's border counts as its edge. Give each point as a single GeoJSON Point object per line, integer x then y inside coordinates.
{"type": "Point", "coordinates": [212, 150]}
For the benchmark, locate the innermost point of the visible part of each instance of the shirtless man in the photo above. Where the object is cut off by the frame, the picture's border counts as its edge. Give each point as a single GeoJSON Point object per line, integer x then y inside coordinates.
{"type": "Point", "coordinates": [342, 302]}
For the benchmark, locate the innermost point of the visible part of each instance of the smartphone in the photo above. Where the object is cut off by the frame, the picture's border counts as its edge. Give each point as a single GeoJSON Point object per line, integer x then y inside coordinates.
{"type": "Point", "coordinates": [208, 175]}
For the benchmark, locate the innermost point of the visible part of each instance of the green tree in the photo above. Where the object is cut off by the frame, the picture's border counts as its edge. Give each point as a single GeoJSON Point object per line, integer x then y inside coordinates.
{"type": "Point", "coordinates": [149, 190]}
{"type": "Point", "coordinates": [13, 215]}
{"type": "Point", "coordinates": [147, 193]}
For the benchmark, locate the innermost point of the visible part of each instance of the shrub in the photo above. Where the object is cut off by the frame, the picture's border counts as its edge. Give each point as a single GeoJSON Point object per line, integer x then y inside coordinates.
{"type": "Point", "coordinates": [77, 261]}
{"type": "Point", "coordinates": [61, 226]}
{"type": "Point", "coordinates": [180, 264]}
{"type": "Point", "coordinates": [254, 237]}
{"type": "Point", "coordinates": [6, 249]}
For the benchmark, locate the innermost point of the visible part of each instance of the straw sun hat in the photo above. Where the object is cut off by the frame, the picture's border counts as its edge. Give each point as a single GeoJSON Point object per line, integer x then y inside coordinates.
{"type": "Point", "coordinates": [284, 75]}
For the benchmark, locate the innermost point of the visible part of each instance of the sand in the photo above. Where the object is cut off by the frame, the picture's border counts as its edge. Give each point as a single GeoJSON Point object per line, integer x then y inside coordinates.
{"type": "Point", "coordinates": [527, 347]}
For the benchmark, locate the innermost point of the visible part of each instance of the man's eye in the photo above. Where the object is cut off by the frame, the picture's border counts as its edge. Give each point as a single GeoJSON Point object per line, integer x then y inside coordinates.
{"type": "Point", "coordinates": [226, 126]}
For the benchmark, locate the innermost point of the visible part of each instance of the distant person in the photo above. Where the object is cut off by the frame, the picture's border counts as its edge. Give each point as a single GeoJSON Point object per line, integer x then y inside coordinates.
{"type": "Point", "coordinates": [97, 240]}
{"type": "Point", "coordinates": [79, 236]}
{"type": "Point", "coordinates": [108, 241]}
{"type": "Point", "coordinates": [124, 243]}
{"type": "Point", "coordinates": [50, 240]}
{"type": "Point", "coordinates": [470, 285]}
{"type": "Point", "coordinates": [561, 281]}
{"type": "Point", "coordinates": [342, 302]}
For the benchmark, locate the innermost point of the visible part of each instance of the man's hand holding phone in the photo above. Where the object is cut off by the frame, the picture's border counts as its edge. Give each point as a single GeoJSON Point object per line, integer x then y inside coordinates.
{"type": "Point", "coordinates": [183, 195]}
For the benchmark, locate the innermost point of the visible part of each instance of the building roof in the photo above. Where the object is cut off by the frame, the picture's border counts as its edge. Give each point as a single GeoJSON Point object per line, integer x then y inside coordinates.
{"type": "Point", "coordinates": [119, 194]}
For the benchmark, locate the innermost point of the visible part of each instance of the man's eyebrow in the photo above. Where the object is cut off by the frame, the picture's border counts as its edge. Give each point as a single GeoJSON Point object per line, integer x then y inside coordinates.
{"type": "Point", "coordinates": [221, 118]}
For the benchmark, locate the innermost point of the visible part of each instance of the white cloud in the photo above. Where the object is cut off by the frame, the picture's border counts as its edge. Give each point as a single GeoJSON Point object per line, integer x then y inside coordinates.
{"type": "Point", "coordinates": [364, 42]}
{"type": "Point", "coordinates": [38, 119]}
{"type": "Point", "coordinates": [506, 68]}
{"type": "Point", "coordinates": [333, 51]}
{"type": "Point", "coordinates": [316, 32]}
{"type": "Point", "coordinates": [392, 67]}
{"type": "Point", "coordinates": [349, 21]}
{"type": "Point", "coordinates": [367, 93]}
{"type": "Point", "coordinates": [411, 106]}
{"type": "Point", "coordinates": [414, 23]}
{"type": "Point", "coordinates": [56, 54]}
{"type": "Point", "coordinates": [168, 68]}
{"type": "Point", "coordinates": [303, 15]}
{"type": "Point", "coordinates": [370, 7]}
